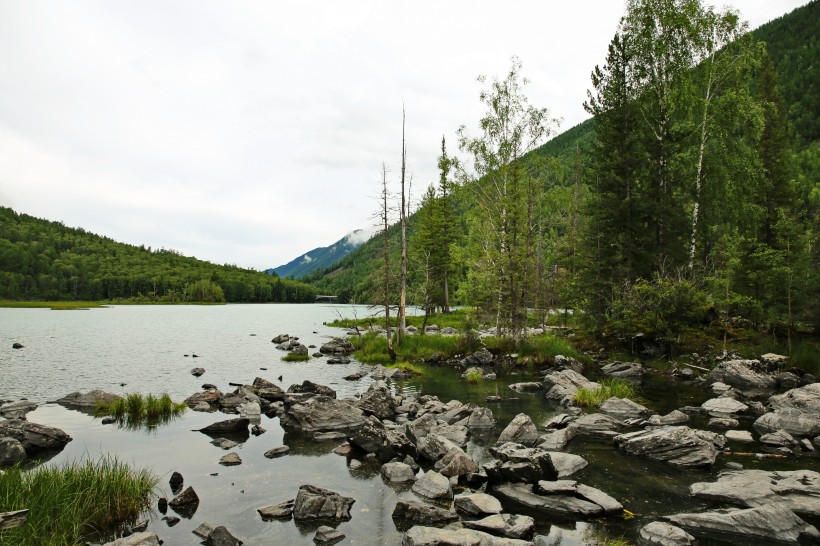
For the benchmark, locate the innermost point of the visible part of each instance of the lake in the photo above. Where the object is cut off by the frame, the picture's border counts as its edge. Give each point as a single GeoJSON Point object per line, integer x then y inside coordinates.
{"type": "Point", "coordinates": [123, 349]}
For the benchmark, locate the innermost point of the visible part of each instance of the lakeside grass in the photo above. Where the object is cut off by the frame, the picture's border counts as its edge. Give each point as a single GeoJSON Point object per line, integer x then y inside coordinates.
{"type": "Point", "coordinates": [607, 388]}
{"type": "Point", "coordinates": [138, 409]}
{"type": "Point", "coordinates": [293, 357]}
{"type": "Point", "coordinates": [79, 501]}
{"type": "Point", "coordinates": [55, 305]}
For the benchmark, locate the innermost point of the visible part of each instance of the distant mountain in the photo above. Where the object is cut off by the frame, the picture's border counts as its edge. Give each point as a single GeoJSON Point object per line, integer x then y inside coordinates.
{"type": "Point", "coordinates": [322, 257]}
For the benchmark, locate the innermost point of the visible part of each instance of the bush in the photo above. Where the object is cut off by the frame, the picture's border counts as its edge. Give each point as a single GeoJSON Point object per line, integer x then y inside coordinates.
{"type": "Point", "coordinates": [74, 503]}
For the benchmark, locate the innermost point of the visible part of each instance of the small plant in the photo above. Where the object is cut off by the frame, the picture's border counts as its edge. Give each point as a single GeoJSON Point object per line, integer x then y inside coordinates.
{"type": "Point", "coordinates": [607, 388]}
{"type": "Point", "coordinates": [294, 357]}
{"type": "Point", "coordinates": [137, 409]}
{"type": "Point", "coordinates": [474, 376]}
{"type": "Point", "coordinates": [407, 368]}
{"type": "Point", "coordinates": [74, 503]}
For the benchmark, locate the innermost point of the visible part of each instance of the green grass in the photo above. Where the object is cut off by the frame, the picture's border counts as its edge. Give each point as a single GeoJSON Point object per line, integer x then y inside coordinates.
{"type": "Point", "coordinates": [407, 368]}
{"type": "Point", "coordinates": [607, 388]}
{"type": "Point", "coordinates": [372, 349]}
{"type": "Point", "coordinates": [136, 410]}
{"type": "Point", "coordinates": [455, 319]}
{"type": "Point", "coordinates": [293, 357]}
{"type": "Point", "coordinates": [55, 305]}
{"type": "Point", "coordinates": [73, 503]}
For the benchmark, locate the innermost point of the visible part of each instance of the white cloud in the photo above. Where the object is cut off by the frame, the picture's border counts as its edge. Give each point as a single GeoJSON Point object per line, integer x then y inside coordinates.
{"type": "Point", "coordinates": [246, 132]}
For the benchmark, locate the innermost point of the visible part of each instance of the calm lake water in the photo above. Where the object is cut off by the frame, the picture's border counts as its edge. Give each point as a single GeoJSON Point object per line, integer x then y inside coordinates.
{"type": "Point", "coordinates": [125, 349]}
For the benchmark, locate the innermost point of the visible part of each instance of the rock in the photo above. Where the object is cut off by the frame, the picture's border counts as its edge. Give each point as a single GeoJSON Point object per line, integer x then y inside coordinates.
{"type": "Point", "coordinates": [456, 463]}
{"type": "Point", "coordinates": [299, 349]}
{"type": "Point", "coordinates": [11, 451]}
{"type": "Point", "coordinates": [276, 452]}
{"type": "Point", "coordinates": [723, 422]}
{"type": "Point", "coordinates": [421, 513]}
{"type": "Point", "coordinates": [433, 447]}
{"type": "Point", "coordinates": [33, 437]}
{"type": "Point", "coordinates": [787, 380]}
{"type": "Point", "coordinates": [433, 485]}
{"type": "Point", "coordinates": [624, 408]}
{"type": "Point", "coordinates": [739, 436]}
{"type": "Point", "coordinates": [373, 437]}
{"type": "Point", "coordinates": [89, 400]}
{"type": "Point", "coordinates": [327, 535]}
{"type": "Point", "coordinates": [187, 498]}
{"type": "Point", "coordinates": [521, 430]}
{"type": "Point", "coordinates": [17, 345]}
{"type": "Point", "coordinates": [322, 414]}
{"type": "Point", "coordinates": [567, 363]}
{"type": "Point", "coordinates": [562, 385]}
{"type": "Point", "coordinates": [623, 370]}
{"type": "Point", "coordinates": [805, 398]}
{"type": "Point", "coordinates": [210, 397]}
{"type": "Point", "coordinates": [329, 436]}
{"type": "Point", "coordinates": [17, 410]}
{"type": "Point", "coordinates": [659, 533]}
{"type": "Point", "coordinates": [679, 445]}
{"type": "Point", "coordinates": [197, 372]}
{"type": "Point", "coordinates": [203, 530]}
{"type": "Point", "coordinates": [773, 360]}
{"type": "Point", "coordinates": [229, 425]}
{"type": "Point", "coordinates": [316, 503]}
{"type": "Point", "coordinates": [170, 521]}
{"type": "Point", "coordinates": [505, 525]}
{"type": "Point", "coordinates": [378, 401]}
{"type": "Point", "coordinates": [596, 496]}
{"type": "Point", "coordinates": [145, 538]}
{"type": "Point", "coordinates": [567, 464]}
{"type": "Point", "coordinates": [675, 417]}
{"type": "Point", "coordinates": [724, 406]}
{"type": "Point", "coordinates": [224, 443]}
{"type": "Point", "coordinates": [481, 418]}
{"type": "Point", "coordinates": [310, 386]}
{"type": "Point", "coordinates": [231, 459]}
{"type": "Point", "coordinates": [220, 536]}
{"type": "Point", "coordinates": [431, 536]}
{"type": "Point", "coordinates": [530, 387]}
{"type": "Point", "coordinates": [283, 510]}
{"type": "Point", "coordinates": [564, 507]}
{"type": "Point", "coordinates": [799, 490]}
{"type": "Point", "coordinates": [517, 463]}
{"type": "Point", "coordinates": [337, 346]}
{"type": "Point", "coordinates": [281, 338]}
{"type": "Point", "coordinates": [742, 374]}
{"type": "Point", "coordinates": [598, 423]}
{"type": "Point", "coordinates": [176, 480]}
{"type": "Point", "coordinates": [793, 420]}
{"type": "Point", "coordinates": [356, 376]}
{"type": "Point", "coordinates": [557, 439]}
{"type": "Point", "coordinates": [258, 430]}
{"type": "Point", "coordinates": [481, 357]}
{"type": "Point", "coordinates": [779, 438]}
{"type": "Point", "coordinates": [337, 359]}
{"type": "Point", "coordinates": [477, 504]}
{"type": "Point", "coordinates": [771, 523]}
{"type": "Point", "coordinates": [557, 487]}
{"type": "Point", "coordinates": [396, 472]}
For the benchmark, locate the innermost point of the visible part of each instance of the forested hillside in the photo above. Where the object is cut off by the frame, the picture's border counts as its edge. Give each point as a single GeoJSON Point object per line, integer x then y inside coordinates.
{"type": "Point", "coordinates": [43, 260]}
{"type": "Point", "coordinates": [692, 194]}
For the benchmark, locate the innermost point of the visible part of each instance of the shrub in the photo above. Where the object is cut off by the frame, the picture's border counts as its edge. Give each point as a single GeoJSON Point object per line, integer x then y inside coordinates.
{"type": "Point", "coordinates": [74, 503]}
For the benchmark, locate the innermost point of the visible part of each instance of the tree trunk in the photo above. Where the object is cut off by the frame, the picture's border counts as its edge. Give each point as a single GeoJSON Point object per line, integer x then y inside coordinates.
{"type": "Point", "coordinates": [403, 295]}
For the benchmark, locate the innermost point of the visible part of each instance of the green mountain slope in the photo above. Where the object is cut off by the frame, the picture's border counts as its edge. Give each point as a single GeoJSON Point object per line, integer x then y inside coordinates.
{"type": "Point", "coordinates": [322, 257]}
{"type": "Point", "coordinates": [44, 260]}
{"type": "Point", "coordinates": [792, 44]}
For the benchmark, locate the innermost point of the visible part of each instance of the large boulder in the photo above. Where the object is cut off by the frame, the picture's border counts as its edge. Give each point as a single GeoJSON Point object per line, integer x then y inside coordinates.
{"type": "Point", "coordinates": [308, 386]}
{"type": "Point", "coordinates": [481, 419]}
{"type": "Point", "coordinates": [792, 420]}
{"type": "Point", "coordinates": [34, 437]}
{"type": "Point", "coordinates": [659, 533]}
{"type": "Point", "coordinates": [562, 385]}
{"type": "Point", "coordinates": [337, 346]}
{"type": "Point", "coordinates": [396, 472]}
{"type": "Point", "coordinates": [145, 538]}
{"type": "Point", "coordinates": [799, 490]}
{"type": "Point", "coordinates": [421, 513]}
{"type": "Point", "coordinates": [803, 398]}
{"type": "Point", "coordinates": [378, 401]}
{"type": "Point", "coordinates": [373, 437]}
{"type": "Point", "coordinates": [209, 396]}
{"type": "Point", "coordinates": [316, 503]}
{"type": "Point", "coordinates": [768, 524]}
{"type": "Point", "coordinates": [723, 406]}
{"type": "Point", "coordinates": [624, 408]}
{"type": "Point", "coordinates": [623, 370]}
{"type": "Point", "coordinates": [566, 506]}
{"type": "Point", "coordinates": [598, 423]}
{"type": "Point", "coordinates": [681, 445]}
{"type": "Point", "coordinates": [433, 447]}
{"type": "Point", "coordinates": [477, 504]}
{"type": "Point", "coordinates": [481, 357]}
{"type": "Point", "coordinates": [322, 414]}
{"type": "Point", "coordinates": [87, 401]}
{"type": "Point", "coordinates": [431, 536]}
{"type": "Point", "coordinates": [742, 374]}
{"type": "Point", "coordinates": [455, 463]}
{"type": "Point", "coordinates": [521, 430]}
{"type": "Point", "coordinates": [11, 451]}
{"type": "Point", "coordinates": [517, 463]}
{"type": "Point", "coordinates": [433, 485]}
{"type": "Point", "coordinates": [239, 424]}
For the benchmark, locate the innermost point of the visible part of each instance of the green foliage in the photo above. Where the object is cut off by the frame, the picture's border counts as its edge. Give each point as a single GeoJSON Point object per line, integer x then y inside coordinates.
{"type": "Point", "coordinates": [293, 357]}
{"type": "Point", "coordinates": [73, 503]}
{"type": "Point", "coordinates": [136, 410]}
{"type": "Point", "coordinates": [42, 260]}
{"type": "Point", "coordinates": [474, 376]}
{"type": "Point", "coordinates": [54, 305]}
{"type": "Point", "coordinates": [407, 368]}
{"type": "Point", "coordinates": [607, 388]}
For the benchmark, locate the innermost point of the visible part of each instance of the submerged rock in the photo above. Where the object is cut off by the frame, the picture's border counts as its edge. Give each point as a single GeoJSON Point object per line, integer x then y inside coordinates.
{"type": "Point", "coordinates": [326, 535]}
{"type": "Point", "coordinates": [17, 410]}
{"type": "Point", "coordinates": [771, 523]}
{"type": "Point", "coordinates": [89, 400]}
{"type": "Point", "coordinates": [680, 445]}
{"type": "Point", "coordinates": [554, 506]}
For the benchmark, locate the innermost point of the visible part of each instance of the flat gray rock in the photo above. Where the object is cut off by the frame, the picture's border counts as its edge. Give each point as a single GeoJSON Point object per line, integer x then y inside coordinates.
{"type": "Point", "coordinates": [659, 533]}
{"type": "Point", "coordinates": [398, 473]}
{"type": "Point", "coordinates": [681, 445]}
{"type": "Point", "coordinates": [554, 506]}
{"type": "Point", "coordinates": [505, 525]}
{"type": "Point", "coordinates": [89, 400]}
{"type": "Point", "coordinates": [793, 420]}
{"type": "Point", "coordinates": [430, 536]}
{"type": "Point", "coordinates": [146, 538]}
{"type": "Point", "coordinates": [771, 523]}
{"type": "Point", "coordinates": [624, 408]}
{"type": "Point", "coordinates": [724, 406]}
{"type": "Point", "coordinates": [675, 417]}
{"type": "Point", "coordinates": [421, 513]}
{"type": "Point", "coordinates": [231, 459]}
{"type": "Point", "coordinates": [317, 503]}
{"type": "Point", "coordinates": [557, 439]}
{"type": "Point", "coordinates": [477, 504]}
{"type": "Point", "coordinates": [327, 535]}
{"type": "Point", "coordinates": [283, 510]}
{"type": "Point", "coordinates": [17, 410]}
{"type": "Point", "coordinates": [739, 436]}
{"type": "Point", "coordinates": [567, 464]}
{"type": "Point", "coordinates": [433, 485]}
{"type": "Point", "coordinates": [521, 430]}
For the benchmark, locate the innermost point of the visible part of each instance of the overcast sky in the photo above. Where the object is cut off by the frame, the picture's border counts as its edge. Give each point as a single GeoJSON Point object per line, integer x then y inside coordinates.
{"type": "Point", "coordinates": [250, 132]}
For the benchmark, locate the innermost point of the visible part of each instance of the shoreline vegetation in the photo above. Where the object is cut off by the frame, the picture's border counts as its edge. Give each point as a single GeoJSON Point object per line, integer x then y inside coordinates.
{"type": "Point", "coordinates": [73, 503]}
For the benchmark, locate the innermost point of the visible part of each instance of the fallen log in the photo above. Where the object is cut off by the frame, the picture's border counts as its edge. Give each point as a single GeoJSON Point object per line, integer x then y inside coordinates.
{"type": "Point", "coordinates": [757, 455]}
{"type": "Point", "coordinates": [9, 520]}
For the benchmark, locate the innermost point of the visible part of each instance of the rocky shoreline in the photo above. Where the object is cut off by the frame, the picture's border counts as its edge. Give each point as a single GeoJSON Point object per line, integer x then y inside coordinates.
{"type": "Point", "coordinates": [422, 442]}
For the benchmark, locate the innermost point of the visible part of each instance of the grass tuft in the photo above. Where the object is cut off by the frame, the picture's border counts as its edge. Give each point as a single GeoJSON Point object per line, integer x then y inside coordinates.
{"type": "Point", "coordinates": [607, 388]}
{"type": "Point", "coordinates": [474, 376]}
{"type": "Point", "coordinates": [74, 503]}
{"type": "Point", "coordinates": [407, 368]}
{"type": "Point", "coordinates": [293, 357]}
{"type": "Point", "coordinates": [136, 410]}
